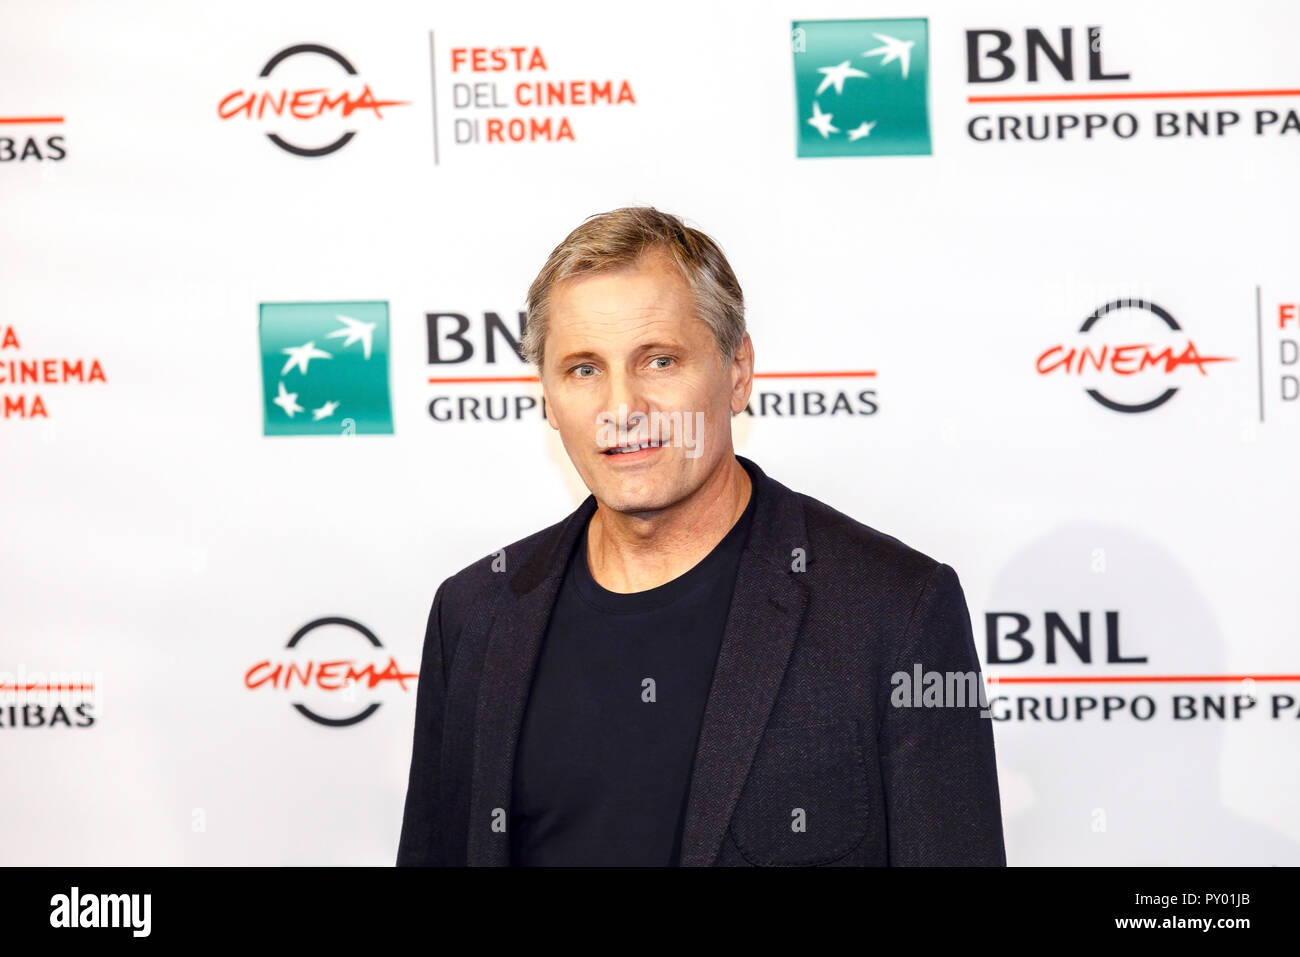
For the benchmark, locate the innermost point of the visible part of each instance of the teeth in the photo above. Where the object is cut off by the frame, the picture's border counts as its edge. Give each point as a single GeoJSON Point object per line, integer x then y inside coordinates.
{"type": "Point", "coordinates": [632, 448]}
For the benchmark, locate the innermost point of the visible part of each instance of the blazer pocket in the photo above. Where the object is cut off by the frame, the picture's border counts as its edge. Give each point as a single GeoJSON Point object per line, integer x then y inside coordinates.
{"type": "Point", "coordinates": [805, 801]}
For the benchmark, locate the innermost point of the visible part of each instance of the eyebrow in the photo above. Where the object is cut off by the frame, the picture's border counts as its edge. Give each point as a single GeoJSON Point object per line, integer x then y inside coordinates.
{"type": "Point", "coordinates": [575, 356]}
{"type": "Point", "coordinates": [587, 355]}
{"type": "Point", "coordinates": [653, 346]}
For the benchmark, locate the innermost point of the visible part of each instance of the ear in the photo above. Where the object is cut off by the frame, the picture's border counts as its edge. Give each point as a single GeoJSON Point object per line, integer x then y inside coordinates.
{"type": "Point", "coordinates": [742, 375]}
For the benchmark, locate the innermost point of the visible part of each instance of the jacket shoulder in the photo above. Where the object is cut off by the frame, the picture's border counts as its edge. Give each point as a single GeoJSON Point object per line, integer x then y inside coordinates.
{"type": "Point", "coordinates": [870, 575]}
{"type": "Point", "coordinates": [486, 579]}
{"type": "Point", "coordinates": [842, 544]}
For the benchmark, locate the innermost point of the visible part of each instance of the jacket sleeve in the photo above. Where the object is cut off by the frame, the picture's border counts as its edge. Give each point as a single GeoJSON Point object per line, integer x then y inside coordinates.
{"type": "Point", "coordinates": [937, 762]}
{"type": "Point", "coordinates": [421, 841]}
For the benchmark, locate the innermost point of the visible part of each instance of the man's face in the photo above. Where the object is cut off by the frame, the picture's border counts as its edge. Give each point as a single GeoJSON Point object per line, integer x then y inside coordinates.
{"type": "Point", "coordinates": [631, 339]}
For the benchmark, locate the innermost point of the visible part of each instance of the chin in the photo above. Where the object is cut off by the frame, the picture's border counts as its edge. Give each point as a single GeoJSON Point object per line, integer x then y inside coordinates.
{"type": "Point", "coordinates": [631, 504]}
{"type": "Point", "coordinates": [637, 500]}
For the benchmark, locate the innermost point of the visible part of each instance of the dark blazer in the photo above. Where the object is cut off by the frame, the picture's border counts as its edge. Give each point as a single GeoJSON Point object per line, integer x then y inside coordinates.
{"type": "Point", "coordinates": [798, 728]}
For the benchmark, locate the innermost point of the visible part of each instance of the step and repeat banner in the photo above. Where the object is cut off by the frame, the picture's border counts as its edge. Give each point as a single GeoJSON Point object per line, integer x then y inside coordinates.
{"type": "Point", "coordinates": [1024, 290]}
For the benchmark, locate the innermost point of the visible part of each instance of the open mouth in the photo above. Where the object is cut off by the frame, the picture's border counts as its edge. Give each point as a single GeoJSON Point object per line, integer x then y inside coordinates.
{"type": "Point", "coordinates": [634, 447]}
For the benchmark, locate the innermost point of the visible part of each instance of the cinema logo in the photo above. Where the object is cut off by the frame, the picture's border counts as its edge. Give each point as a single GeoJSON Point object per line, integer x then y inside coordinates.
{"type": "Point", "coordinates": [316, 92]}
{"type": "Point", "coordinates": [53, 699]}
{"type": "Point", "coordinates": [1072, 63]}
{"type": "Point", "coordinates": [22, 378]}
{"type": "Point", "coordinates": [24, 141]}
{"type": "Point", "coordinates": [490, 349]}
{"type": "Point", "coordinates": [506, 94]}
{"type": "Point", "coordinates": [1129, 376]}
{"type": "Point", "coordinates": [335, 682]}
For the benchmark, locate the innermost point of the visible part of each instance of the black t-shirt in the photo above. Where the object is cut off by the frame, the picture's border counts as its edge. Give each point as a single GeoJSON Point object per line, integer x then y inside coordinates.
{"type": "Point", "coordinates": [608, 739]}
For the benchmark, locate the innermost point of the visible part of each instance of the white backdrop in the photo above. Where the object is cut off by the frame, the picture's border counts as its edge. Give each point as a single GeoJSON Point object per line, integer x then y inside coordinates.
{"type": "Point", "coordinates": [159, 546]}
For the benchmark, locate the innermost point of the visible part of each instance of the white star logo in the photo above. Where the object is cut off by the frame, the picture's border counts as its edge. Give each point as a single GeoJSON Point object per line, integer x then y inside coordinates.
{"type": "Point", "coordinates": [324, 412]}
{"type": "Point", "coordinates": [836, 75]}
{"type": "Point", "coordinates": [356, 331]}
{"type": "Point", "coordinates": [863, 129]}
{"type": "Point", "coordinates": [822, 121]}
{"type": "Point", "coordinates": [893, 49]}
{"type": "Point", "coordinates": [287, 401]}
{"type": "Point", "coordinates": [301, 355]}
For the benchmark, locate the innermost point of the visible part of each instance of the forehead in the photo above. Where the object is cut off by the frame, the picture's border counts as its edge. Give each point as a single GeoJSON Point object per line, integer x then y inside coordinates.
{"type": "Point", "coordinates": [649, 294]}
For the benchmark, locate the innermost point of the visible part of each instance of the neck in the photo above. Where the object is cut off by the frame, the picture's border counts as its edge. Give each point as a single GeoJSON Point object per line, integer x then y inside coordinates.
{"type": "Point", "coordinates": [630, 553]}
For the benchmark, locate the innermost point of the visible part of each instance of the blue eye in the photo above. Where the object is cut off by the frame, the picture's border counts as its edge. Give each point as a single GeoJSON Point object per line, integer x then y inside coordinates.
{"type": "Point", "coordinates": [583, 366]}
{"type": "Point", "coordinates": [664, 358]}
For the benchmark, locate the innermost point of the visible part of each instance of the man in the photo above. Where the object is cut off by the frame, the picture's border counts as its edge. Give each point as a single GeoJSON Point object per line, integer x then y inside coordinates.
{"type": "Point", "coordinates": [698, 666]}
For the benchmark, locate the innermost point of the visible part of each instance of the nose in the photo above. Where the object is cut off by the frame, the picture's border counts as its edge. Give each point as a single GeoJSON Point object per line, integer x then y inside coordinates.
{"type": "Point", "coordinates": [626, 403]}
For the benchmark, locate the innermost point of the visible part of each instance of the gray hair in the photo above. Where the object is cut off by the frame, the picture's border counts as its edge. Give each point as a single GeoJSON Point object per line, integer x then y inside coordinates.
{"type": "Point", "coordinates": [620, 238]}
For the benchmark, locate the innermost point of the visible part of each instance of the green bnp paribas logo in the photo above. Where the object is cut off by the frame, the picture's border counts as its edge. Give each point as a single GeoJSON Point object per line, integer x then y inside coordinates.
{"type": "Point", "coordinates": [861, 87]}
{"type": "Point", "coordinates": [325, 368]}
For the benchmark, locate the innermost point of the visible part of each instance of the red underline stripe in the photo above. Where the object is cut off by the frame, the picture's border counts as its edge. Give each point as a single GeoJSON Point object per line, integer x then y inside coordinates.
{"type": "Point", "coordinates": [1141, 678]}
{"type": "Point", "coordinates": [31, 119]}
{"type": "Point", "coordinates": [865, 373]}
{"type": "Point", "coordinates": [4, 688]}
{"type": "Point", "coordinates": [1172, 95]}
{"type": "Point", "coordinates": [433, 380]}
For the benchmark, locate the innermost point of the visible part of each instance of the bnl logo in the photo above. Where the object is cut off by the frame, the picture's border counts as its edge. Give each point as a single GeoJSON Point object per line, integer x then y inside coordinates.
{"type": "Point", "coordinates": [325, 368]}
{"type": "Point", "coordinates": [861, 87]}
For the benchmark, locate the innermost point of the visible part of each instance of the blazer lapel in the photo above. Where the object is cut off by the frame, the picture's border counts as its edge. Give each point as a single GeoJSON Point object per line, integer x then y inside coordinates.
{"type": "Point", "coordinates": [511, 653]}
{"type": "Point", "coordinates": [767, 610]}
